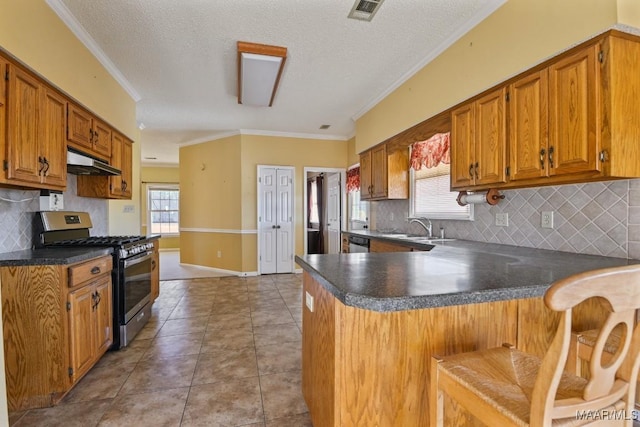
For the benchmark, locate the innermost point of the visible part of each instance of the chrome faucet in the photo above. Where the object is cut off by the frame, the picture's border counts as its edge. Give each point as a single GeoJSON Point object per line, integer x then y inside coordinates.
{"type": "Point", "coordinates": [428, 228]}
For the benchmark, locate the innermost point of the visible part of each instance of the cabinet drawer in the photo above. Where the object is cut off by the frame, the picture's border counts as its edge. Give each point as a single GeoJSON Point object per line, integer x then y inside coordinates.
{"type": "Point", "coordinates": [81, 273]}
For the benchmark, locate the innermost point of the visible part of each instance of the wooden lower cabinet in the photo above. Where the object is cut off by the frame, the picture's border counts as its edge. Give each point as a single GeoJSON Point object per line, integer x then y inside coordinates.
{"type": "Point", "coordinates": [57, 323]}
{"type": "Point", "coordinates": [366, 368]}
{"type": "Point", "coordinates": [381, 246]}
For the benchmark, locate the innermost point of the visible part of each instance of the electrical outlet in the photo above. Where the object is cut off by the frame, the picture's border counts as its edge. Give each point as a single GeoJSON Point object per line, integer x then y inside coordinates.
{"type": "Point", "coordinates": [502, 219]}
{"type": "Point", "coordinates": [547, 219]}
{"type": "Point", "coordinates": [128, 209]}
{"type": "Point", "coordinates": [219, 254]}
{"type": "Point", "coordinates": [308, 300]}
{"type": "Point", "coordinates": [56, 202]}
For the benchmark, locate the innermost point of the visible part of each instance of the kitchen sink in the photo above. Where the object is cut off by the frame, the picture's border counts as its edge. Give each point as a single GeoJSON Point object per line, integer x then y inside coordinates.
{"type": "Point", "coordinates": [414, 238]}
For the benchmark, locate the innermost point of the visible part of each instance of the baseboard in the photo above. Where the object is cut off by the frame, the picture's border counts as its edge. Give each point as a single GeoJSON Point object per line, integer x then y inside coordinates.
{"type": "Point", "coordinates": [221, 270]}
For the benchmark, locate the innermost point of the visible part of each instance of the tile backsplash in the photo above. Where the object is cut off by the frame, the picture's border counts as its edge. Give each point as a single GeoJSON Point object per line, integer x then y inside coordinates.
{"type": "Point", "coordinates": [16, 217]}
{"type": "Point", "coordinates": [601, 218]}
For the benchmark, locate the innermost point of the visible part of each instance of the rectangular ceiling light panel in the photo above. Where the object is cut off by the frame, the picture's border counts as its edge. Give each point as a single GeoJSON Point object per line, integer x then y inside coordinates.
{"type": "Point", "coordinates": [259, 71]}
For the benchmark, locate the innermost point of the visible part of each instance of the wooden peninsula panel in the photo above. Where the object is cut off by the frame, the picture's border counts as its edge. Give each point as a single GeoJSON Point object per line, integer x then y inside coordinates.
{"type": "Point", "coordinates": [377, 363]}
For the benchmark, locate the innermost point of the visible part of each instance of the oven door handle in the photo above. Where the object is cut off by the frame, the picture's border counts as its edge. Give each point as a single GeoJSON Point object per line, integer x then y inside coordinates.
{"type": "Point", "coordinates": [137, 259]}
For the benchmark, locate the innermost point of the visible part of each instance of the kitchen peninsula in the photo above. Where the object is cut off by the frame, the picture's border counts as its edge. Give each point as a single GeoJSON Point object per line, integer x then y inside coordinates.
{"type": "Point", "coordinates": [372, 321]}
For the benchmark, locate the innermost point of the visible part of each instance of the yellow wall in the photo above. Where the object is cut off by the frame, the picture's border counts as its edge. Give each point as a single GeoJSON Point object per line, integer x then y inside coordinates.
{"type": "Point", "coordinates": [352, 154]}
{"type": "Point", "coordinates": [518, 35]}
{"type": "Point", "coordinates": [222, 198]}
{"type": "Point", "coordinates": [152, 175]}
{"type": "Point", "coordinates": [629, 12]}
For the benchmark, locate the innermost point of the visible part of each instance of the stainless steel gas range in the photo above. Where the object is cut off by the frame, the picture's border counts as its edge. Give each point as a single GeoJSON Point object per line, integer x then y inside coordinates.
{"type": "Point", "coordinates": [132, 266]}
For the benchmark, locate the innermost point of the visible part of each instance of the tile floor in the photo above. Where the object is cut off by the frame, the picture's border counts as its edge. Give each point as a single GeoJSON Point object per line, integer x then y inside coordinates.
{"type": "Point", "coordinates": [221, 351]}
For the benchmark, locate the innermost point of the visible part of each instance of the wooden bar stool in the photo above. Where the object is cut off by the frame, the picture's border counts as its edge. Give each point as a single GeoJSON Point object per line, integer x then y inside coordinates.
{"type": "Point", "coordinates": [506, 387]}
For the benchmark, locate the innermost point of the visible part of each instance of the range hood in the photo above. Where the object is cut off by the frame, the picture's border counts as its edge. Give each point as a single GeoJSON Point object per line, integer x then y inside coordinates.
{"type": "Point", "coordinates": [80, 164]}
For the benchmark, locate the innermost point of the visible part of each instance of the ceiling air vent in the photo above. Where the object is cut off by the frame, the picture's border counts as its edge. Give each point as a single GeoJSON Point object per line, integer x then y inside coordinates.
{"type": "Point", "coordinates": [364, 10]}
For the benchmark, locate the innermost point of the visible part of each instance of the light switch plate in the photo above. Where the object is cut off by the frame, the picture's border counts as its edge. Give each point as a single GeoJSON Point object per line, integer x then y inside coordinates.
{"type": "Point", "coordinates": [308, 300]}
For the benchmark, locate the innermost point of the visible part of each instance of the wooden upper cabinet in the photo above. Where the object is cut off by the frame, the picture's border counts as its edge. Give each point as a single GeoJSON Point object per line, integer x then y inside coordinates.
{"type": "Point", "coordinates": [87, 133]}
{"type": "Point", "coordinates": [111, 187]}
{"type": "Point", "coordinates": [574, 117]}
{"type": "Point", "coordinates": [127, 169]}
{"type": "Point", "coordinates": [3, 81]}
{"type": "Point", "coordinates": [53, 142]}
{"type": "Point", "coordinates": [379, 172]}
{"type": "Point", "coordinates": [462, 145]}
{"type": "Point", "coordinates": [478, 141]}
{"type": "Point", "coordinates": [384, 175]}
{"type": "Point", "coordinates": [23, 154]}
{"type": "Point", "coordinates": [529, 126]}
{"type": "Point", "coordinates": [102, 141]}
{"type": "Point", "coordinates": [365, 175]}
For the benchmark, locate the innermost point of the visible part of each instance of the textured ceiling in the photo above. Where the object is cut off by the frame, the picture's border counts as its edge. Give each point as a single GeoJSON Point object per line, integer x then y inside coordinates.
{"type": "Point", "coordinates": [180, 58]}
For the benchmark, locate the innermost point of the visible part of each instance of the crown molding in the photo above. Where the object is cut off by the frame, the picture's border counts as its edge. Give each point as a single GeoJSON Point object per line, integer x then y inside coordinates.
{"type": "Point", "coordinates": [78, 30]}
{"type": "Point", "coordinates": [491, 7]}
{"type": "Point", "coordinates": [293, 134]}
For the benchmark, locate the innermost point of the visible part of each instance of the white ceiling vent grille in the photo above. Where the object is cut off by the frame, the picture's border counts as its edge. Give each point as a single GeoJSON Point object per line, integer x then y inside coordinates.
{"type": "Point", "coordinates": [364, 10]}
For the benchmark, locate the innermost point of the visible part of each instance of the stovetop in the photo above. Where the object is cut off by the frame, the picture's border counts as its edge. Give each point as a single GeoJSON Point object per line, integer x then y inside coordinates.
{"type": "Point", "coordinates": [100, 241]}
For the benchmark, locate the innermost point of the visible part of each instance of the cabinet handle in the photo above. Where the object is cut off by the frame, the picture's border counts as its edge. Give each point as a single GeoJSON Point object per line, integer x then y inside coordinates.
{"type": "Point", "coordinates": [95, 270]}
{"type": "Point", "coordinates": [91, 137]}
{"type": "Point", "coordinates": [471, 171]}
{"type": "Point", "coordinates": [46, 166]}
{"type": "Point", "coordinates": [126, 184]}
{"type": "Point", "coordinates": [97, 135]}
{"type": "Point", "coordinates": [550, 157]}
{"type": "Point", "coordinates": [542, 153]}
{"type": "Point", "coordinates": [476, 170]}
{"type": "Point", "coordinates": [153, 264]}
{"type": "Point", "coordinates": [41, 165]}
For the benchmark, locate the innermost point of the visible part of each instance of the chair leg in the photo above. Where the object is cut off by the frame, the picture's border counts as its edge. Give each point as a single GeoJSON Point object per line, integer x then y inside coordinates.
{"type": "Point", "coordinates": [436, 399]}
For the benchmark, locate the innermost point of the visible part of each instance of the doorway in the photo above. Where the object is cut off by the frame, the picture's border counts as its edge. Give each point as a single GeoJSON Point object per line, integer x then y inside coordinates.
{"type": "Point", "coordinates": [325, 210]}
{"type": "Point", "coordinates": [275, 219]}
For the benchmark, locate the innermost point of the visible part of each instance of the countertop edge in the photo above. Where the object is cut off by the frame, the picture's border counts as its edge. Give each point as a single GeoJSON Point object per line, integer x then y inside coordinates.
{"type": "Point", "coordinates": [56, 256]}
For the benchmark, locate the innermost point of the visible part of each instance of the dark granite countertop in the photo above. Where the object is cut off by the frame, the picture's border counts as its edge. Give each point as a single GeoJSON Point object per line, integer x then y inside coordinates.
{"type": "Point", "coordinates": [52, 256]}
{"type": "Point", "coordinates": [454, 273]}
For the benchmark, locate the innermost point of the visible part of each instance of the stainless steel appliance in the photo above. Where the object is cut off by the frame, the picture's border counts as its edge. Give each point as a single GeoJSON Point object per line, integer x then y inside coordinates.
{"type": "Point", "coordinates": [132, 265]}
{"type": "Point", "coordinates": [358, 244]}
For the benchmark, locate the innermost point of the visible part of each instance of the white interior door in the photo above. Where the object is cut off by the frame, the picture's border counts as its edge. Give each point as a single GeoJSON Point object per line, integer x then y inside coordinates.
{"type": "Point", "coordinates": [333, 213]}
{"type": "Point", "coordinates": [275, 220]}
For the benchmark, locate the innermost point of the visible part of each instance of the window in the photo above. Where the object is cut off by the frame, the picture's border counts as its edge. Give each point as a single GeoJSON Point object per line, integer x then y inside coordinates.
{"type": "Point", "coordinates": [431, 197]}
{"type": "Point", "coordinates": [313, 197]}
{"type": "Point", "coordinates": [164, 209]}
{"type": "Point", "coordinates": [359, 209]}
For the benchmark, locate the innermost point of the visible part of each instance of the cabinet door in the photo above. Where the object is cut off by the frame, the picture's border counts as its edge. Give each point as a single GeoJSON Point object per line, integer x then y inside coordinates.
{"type": "Point", "coordinates": [462, 146]}
{"type": "Point", "coordinates": [115, 185]}
{"type": "Point", "coordinates": [528, 126]}
{"type": "Point", "coordinates": [103, 315]}
{"type": "Point", "coordinates": [25, 160]}
{"type": "Point", "coordinates": [365, 175]}
{"type": "Point", "coordinates": [79, 127]}
{"type": "Point", "coordinates": [53, 142]}
{"type": "Point", "coordinates": [491, 138]}
{"type": "Point", "coordinates": [379, 180]}
{"type": "Point", "coordinates": [81, 330]}
{"type": "Point", "coordinates": [127, 168]}
{"type": "Point", "coordinates": [574, 137]}
{"type": "Point", "coordinates": [102, 139]}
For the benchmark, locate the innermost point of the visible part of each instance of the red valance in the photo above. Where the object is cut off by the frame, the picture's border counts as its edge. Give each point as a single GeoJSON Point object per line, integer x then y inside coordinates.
{"type": "Point", "coordinates": [353, 179]}
{"type": "Point", "coordinates": [431, 153]}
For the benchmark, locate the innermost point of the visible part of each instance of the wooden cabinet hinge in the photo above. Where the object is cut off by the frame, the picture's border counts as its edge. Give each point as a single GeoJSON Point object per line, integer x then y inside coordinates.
{"type": "Point", "coordinates": [68, 306]}
{"type": "Point", "coordinates": [6, 75]}
{"type": "Point", "coordinates": [5, 164]}
{"type": "Point", "coordinates": [601, 56]}
{"type": "Point", "coordinates": [507, 97]}
{"type": "Point", "coordinates": [70, 372]}
{"type": "Point", "coordinates": [507, 170]}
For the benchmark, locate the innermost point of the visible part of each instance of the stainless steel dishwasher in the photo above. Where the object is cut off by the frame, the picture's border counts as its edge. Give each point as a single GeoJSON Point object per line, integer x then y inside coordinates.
{"type": "Point", "coordinates": [358, 244]}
